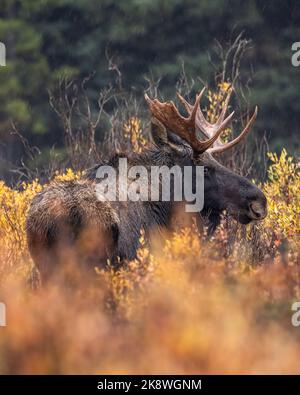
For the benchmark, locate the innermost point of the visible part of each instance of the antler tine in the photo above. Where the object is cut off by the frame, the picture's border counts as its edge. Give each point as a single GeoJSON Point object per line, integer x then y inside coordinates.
{"type": "Point", "coordinates": [185, 128]}
{"type": "Point", "coordinates": [209, 129]}
{"type": "Point", "coordinates": [186, 104]}
{"type": "Point", "coordinates": [230, 144]}
{"type": "Point", "coordinates": [225, 106]}
{"type": "Point", "coordinates": [194, 110]}
{"type": "Point", "coordinates": [215, 130]}
{"type": "Point", "coordinates": [202, 124]}
{"type": "Point", "coordinates": [206, 144]}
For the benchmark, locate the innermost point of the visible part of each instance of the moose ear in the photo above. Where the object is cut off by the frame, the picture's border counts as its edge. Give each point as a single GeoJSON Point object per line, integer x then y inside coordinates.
{"type": "Point", "coordinates": [163, 137]}
{"type": "Point", "coordinates": [159, 132]}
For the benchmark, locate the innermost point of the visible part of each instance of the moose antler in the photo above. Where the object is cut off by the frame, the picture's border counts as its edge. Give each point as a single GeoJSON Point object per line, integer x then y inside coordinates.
{"type": "Point", "coordinates": [208, 129]}
{"type": "Point", "coordinates": [185, 128]}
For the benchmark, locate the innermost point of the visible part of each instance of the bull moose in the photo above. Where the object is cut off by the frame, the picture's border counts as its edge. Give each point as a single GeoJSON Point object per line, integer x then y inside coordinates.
{"type": "Point", "coordinates": [70, 215]}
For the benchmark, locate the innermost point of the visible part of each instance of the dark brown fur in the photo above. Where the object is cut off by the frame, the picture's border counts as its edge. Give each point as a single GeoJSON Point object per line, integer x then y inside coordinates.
{"type": "Point", "coordinates": [67, 216]}
{"type": "Point", "coordinates": [65, 221]}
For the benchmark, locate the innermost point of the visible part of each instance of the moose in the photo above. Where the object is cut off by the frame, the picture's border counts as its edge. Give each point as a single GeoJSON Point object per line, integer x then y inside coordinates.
{"type": "Point", "coordinates": [68, 215]}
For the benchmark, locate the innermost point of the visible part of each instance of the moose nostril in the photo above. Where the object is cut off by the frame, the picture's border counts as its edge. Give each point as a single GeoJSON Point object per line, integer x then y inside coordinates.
{"type": "Point", "coordinates": [257, 210]}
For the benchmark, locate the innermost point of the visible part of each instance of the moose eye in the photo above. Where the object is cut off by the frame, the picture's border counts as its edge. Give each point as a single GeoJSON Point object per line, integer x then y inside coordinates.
{"type": "Point", "coordinates": [206, 171]}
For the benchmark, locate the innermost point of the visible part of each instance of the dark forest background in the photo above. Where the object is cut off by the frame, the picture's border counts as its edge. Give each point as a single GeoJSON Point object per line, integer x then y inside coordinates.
{"type": "Point", "coordinates": [131, 45]}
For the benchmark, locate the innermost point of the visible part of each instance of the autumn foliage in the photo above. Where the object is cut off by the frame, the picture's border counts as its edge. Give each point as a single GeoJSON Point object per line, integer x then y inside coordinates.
{"type": "Point", "coordinates": [185, 305]}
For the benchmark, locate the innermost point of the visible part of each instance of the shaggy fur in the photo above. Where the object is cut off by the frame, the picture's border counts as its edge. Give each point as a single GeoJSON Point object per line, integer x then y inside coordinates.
{"type": "Point", "coordinates": [66, 217]}
{"type": "Point", "coordinates": [69, 215]}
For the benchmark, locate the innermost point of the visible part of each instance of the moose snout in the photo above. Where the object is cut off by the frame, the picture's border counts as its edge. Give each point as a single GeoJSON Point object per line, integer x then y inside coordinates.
{"type": "Point", "coordinates": [258, 209]}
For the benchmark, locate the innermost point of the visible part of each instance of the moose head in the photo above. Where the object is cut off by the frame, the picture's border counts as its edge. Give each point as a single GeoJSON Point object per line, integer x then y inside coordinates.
{"type": "Point", "coordinates": [223, 189]}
